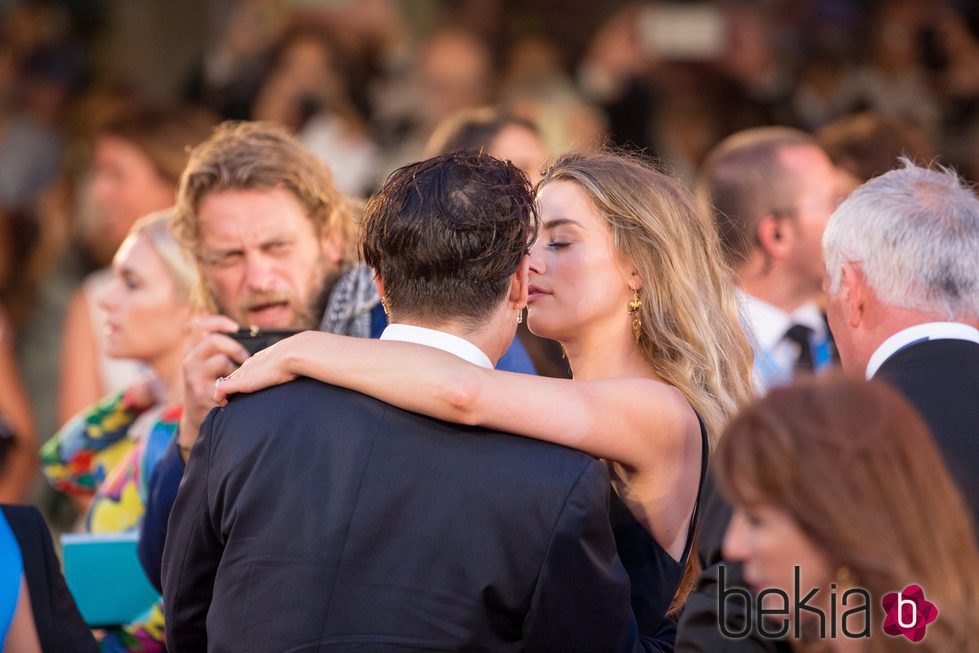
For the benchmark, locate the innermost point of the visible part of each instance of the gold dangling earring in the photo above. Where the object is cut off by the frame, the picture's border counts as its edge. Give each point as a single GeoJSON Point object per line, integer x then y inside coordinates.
{"type": "Point", "coordinates": [634, 307]}
{"type": "Point", "coordinates": [520, 316]}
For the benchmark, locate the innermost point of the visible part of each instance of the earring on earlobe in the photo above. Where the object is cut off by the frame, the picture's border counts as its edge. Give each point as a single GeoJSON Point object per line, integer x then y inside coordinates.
{"type": "Point", "coordinates": [519, 316]}
{"type": "Point", "coordinates": [634, 305]}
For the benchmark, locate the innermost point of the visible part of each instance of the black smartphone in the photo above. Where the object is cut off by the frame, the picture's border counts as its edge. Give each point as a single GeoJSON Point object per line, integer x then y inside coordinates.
{"type": "Point", "coordinates": [255, 340]}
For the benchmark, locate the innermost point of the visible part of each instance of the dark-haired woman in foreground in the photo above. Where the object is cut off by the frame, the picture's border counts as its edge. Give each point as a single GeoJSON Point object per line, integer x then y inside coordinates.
{"type": "Point", "coordinates": [628, 277]}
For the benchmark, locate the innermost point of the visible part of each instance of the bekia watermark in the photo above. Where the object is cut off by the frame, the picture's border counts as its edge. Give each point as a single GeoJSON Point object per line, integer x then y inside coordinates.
{"type": "Point", "coordinates": [772, 613]}
{"type": "Point", "coordinates": [908, 613]}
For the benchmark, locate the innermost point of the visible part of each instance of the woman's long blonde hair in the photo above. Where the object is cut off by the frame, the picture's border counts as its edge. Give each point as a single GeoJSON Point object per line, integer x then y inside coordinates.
{"type": "Point", "coordinates": [691, 330]}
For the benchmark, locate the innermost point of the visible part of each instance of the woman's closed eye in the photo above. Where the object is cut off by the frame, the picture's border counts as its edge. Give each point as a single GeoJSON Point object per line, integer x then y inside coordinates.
{"type": "Point", "coordinates": [557, 244]}
{"type": "Point", "coordinates": [130, 281]}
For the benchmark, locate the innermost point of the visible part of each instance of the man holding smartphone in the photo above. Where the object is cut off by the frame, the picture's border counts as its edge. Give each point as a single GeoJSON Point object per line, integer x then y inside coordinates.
{"type": "Point", "coordinates": [313, 517]}
{"type": "Point", "coordinates": [276, 249]}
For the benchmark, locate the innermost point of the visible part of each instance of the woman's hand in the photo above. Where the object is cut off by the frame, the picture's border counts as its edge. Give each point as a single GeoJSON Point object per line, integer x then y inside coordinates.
{"type": "Point", "coordinates": [271, 366]}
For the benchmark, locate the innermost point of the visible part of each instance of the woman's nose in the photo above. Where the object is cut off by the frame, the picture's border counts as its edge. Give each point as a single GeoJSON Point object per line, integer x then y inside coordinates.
{"type": "Point", "coordinates": [536, 258]}
{"type": "Point", "coordinates": [735, 545]}
{"type": "Point", "coordinates": [107, 300]}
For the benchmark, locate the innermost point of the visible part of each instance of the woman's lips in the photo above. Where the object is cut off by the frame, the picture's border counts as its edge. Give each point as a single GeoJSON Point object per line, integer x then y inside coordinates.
{"type": "Point", "coordinates": [535, 292]}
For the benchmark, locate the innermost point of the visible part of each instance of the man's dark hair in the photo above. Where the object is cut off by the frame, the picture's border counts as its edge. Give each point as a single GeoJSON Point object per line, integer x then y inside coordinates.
{"type": "Point", "coordinates": [447, 234]}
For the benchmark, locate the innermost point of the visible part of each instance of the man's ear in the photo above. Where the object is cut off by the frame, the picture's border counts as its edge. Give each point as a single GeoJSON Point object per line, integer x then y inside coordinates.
{"type": "Point", "coordinates": [854, 288]}
{"type": "Point", "coordinates": [517, 296]}
{"type": "Point", "coordinates": [775, 236]}
{"type": "Point", "coordinates": [379, 284]}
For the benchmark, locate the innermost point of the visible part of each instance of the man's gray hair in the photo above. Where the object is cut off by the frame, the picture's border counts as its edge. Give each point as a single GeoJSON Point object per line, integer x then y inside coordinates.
{"type": "Point", "coordinates": [915, 233]}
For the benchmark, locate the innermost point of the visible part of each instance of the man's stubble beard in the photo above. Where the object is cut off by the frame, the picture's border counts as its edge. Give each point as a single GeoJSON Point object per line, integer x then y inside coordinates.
{"type": "Point", "coordinates": [312, 315]}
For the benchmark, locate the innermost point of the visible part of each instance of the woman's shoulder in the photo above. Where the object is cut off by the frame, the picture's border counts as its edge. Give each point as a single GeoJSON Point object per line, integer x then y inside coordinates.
{"type": "Point", "coordinates": [661, 402]}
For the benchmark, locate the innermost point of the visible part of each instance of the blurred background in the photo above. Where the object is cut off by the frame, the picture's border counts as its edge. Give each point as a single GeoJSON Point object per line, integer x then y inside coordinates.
{"type": "Point", "coordinates": [92, 92]}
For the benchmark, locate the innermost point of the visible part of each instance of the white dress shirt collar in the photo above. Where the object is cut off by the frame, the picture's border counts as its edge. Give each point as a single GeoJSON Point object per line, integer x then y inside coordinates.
{"type": "Point", "coordinates": [770, 323]}
{"type": "Point", "coordinates": [439, 340]}
{"type": "Point", "coordinates": [926, 331]}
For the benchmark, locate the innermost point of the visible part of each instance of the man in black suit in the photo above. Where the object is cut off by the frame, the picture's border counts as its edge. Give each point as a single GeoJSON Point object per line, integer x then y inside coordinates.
{"type": "Point", "coordinates": [902, 287]}
{"type": "Point", "coordinates": [314, 518]}
{"type": "Point", "coordinates": [903, 301]}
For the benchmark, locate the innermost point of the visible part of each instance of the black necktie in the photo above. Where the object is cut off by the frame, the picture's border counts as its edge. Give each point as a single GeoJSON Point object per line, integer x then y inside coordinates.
{"type": "Point", "coordinates": [802, 336]}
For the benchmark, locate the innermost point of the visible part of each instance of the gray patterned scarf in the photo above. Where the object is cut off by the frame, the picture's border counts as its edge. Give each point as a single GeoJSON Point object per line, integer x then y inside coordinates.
{"type": "Point", "coordinates": [348, 310]}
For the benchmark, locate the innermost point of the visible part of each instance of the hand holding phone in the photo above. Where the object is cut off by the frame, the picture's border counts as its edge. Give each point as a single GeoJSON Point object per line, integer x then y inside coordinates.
{"type": "Point", "coordinates": [255, 340]}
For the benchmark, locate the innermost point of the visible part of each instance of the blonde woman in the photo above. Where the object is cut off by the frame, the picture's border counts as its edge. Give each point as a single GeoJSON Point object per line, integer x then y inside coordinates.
{"type": "Point", "coordinates": [628, 277]}
{"type": "Point", "coordinates": [108, 452]}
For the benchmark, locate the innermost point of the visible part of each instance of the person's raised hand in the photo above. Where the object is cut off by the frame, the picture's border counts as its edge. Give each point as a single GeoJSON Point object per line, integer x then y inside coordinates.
{"type": "Point", "coordinates": [212, 354]}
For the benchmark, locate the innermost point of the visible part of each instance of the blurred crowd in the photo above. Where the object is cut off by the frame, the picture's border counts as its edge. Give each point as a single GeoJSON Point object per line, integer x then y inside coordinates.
{"type": "Point", "coordinates": [364, 84]}
{"type": "Point", "coordinates": [368, 86]}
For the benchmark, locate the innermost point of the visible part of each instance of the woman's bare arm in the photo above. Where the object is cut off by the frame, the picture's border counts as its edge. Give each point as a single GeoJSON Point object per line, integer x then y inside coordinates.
{"type": "Point", "coordinates": [631, 421]}
{"type": "Point", "coordinates": [643, 425]}
{"type": "Point", "coordinates": [22, 635]}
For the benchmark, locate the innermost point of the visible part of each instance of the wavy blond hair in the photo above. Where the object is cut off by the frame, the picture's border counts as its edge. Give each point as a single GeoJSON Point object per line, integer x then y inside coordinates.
{"type": "Point", "coordinates": [691, 327]}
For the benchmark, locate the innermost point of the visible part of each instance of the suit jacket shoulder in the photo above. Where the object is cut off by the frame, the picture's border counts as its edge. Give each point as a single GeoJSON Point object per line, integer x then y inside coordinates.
{"type": "Point", "coordinates": [941, 380]}
{"type": "Point", "coordinates": [365, 524]}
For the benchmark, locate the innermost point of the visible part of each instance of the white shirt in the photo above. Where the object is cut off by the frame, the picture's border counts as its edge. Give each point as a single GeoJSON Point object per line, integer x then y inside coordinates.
{"type": "Point", "coordinates": [775, 355]}
{"type": "Point", "coordinates": [439, 340]}
{"type": "Point", "coordinates": [918, 332]}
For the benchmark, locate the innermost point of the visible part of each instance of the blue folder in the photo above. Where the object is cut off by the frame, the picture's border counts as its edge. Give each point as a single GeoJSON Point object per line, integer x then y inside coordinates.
{"type": "Point", "coordinates": [106, 579]}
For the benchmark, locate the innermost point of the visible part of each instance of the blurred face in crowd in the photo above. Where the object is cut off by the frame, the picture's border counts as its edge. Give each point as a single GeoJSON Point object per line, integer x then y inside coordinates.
{"type": "Point", "coordinates": [146, 315]}
{"type": "Point", "coordinates": [263, 259]}
{"type": "Point", "coordinates": [126, 186]}
{"type": "Point", "coordinates": [522, 147]}
{"type": "Point", "coordinates": [303, 73]}
{"type": "Point", "coordinates": [817, 196]}
{"type": "Point", "coordinates": [577, 279]}
{"type": "Point", "coordinates": [455, 73]}
{"type": "Point", "coordinates": [770, 544]}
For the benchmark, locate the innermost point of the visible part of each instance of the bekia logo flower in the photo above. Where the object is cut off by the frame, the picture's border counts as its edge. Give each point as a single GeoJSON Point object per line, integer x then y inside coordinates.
{"type": "Point", "coordinates": [908, 613]}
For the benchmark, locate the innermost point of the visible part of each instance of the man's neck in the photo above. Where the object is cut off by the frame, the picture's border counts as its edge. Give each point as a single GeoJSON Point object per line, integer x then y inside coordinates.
{"type": "Point", "coordinates": [482, 338]}
{"type": "Point", "coordinates": [783, 291]}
